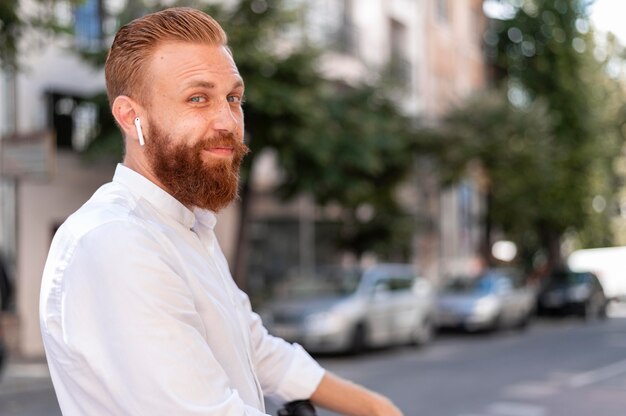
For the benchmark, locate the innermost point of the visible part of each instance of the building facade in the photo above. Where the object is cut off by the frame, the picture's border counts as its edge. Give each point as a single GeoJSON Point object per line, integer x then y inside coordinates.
{"type": "Point", "coordinates": [452, 68]}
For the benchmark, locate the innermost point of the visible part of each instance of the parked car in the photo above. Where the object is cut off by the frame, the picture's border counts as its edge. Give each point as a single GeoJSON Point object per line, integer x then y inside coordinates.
{"type": "Point", "coordinates": [351, 310]}
{"type": "Point", "coordinates": [607, 263]}
{"type": "Point", "coordinates": [569, 292]}
{"type": "Point", "coordinates": [494, 299]}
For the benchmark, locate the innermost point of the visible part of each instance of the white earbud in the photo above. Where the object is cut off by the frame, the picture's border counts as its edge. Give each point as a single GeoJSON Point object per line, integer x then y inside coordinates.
{"type": "Point", "coordinates": [139, 132]}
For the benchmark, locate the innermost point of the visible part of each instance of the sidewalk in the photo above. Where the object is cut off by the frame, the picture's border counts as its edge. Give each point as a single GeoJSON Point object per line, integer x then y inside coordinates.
{"type": "Point", "coordinates": [26, 389]}
{"type": "Point", "coordinates": [24, 375]}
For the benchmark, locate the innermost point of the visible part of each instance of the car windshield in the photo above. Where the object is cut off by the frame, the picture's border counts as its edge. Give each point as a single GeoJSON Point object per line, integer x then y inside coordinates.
{"type": "Point", "coordinates": [477, 285]}
{"type": "Point", "coordinates": [327, 282]}
{"type": "Point", "coordinates": [568, 278]}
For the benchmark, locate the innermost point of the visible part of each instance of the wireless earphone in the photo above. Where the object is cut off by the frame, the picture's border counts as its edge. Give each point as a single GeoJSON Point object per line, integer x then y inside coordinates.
{"type": "Point", "coordinates": [139, 132]}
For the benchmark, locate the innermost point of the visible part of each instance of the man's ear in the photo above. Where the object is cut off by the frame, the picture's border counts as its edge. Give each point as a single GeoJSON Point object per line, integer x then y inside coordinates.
{"type": "Point", "coordinates": [126, 110]}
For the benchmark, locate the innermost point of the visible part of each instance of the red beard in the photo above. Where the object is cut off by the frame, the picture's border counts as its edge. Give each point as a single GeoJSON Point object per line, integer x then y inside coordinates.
{"type": "Point", "coordinates": [187, 177]}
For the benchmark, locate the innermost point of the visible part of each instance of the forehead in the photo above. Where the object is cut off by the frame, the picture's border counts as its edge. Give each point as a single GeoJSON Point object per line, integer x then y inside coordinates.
{"type": "Point", "coordinates": [180, 62]}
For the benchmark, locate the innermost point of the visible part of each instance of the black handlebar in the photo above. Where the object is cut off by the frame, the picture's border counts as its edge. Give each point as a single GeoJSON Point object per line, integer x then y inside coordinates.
{"type": "Point", "coordinates": [298, 408]}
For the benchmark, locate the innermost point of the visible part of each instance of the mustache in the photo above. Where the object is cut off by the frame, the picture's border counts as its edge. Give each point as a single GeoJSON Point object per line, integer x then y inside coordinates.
{"type": "Point", "coordinates": [227, 139]}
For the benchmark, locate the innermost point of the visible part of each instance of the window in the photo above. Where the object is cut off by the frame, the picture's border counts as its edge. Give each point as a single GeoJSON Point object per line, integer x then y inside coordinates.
{"type": "Point", "coordinates": [400, 67]}
{"type": "Point", "coordinates": [88, 26]}
{"type": "Point", "coordinates": [401, 284]}
{"type": "Point", "coordinates": [443, 11]}
{"type": "Point", "coordinates": [347, 34]}
{"type": "Point", "coordinates": [73, 119]}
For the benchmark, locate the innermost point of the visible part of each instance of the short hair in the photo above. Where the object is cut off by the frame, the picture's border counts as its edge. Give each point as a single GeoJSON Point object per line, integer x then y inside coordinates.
{"type": "Point", "coordinates": [136, 41]}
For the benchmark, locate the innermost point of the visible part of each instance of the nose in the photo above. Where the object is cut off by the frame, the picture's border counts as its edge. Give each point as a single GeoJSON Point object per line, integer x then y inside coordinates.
{"type": "Point", "coordinates": [224, 118]}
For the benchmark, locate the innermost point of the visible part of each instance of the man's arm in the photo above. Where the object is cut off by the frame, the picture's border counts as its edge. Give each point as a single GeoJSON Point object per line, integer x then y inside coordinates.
{"type": "Point", "coordinates": [303, 378]}
{"type": "Point", "coordinates": [344, 397]}
{"type": "Point", "coordinates": [286, 372]}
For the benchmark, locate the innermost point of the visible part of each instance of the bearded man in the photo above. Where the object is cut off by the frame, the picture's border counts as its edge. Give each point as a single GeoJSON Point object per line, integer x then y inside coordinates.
{"type": "Point", "coordinates": [139, 313]}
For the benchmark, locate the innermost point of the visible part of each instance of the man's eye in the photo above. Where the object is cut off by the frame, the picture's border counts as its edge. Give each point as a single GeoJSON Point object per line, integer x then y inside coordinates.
{"type": "Point", "coordinates": [197, 99]}
{"type": "Point", "coordinates": [235, 99]}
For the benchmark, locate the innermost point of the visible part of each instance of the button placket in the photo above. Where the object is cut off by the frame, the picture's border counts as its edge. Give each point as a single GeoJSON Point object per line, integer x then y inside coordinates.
{"type": "Point", "coordinates": [208, 239]}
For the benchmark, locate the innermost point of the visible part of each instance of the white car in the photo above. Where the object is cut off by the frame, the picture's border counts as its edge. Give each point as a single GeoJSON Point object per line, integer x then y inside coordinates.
{"type": "Point", "coordinates": [347, 310]}
{"type": "Point", "coordinates": [492, 300]}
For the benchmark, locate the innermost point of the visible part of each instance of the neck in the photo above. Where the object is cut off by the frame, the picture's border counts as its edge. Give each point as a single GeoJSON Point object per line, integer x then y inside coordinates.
{"type": "Point", "coordinates": [141, 166]}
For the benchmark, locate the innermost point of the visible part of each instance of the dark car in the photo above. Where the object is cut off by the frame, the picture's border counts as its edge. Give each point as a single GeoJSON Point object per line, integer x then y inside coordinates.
{"type": "Point", "coordinates": [568, 292]}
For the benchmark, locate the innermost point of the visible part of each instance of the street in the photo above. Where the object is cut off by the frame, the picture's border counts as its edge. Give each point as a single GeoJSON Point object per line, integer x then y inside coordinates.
{"type": "Point", "coordinates": [557, 367]}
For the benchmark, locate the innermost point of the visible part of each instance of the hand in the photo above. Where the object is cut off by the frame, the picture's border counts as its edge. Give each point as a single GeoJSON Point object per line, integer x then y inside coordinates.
{"type": "Point", "coordinates": [382, 406]}
{"type": "Point", "coordinates": [346, 398]}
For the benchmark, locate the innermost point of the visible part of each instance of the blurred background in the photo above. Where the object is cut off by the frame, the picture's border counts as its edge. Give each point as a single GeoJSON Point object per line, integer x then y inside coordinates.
{"type": "Point", "coordinates": [478, 143]}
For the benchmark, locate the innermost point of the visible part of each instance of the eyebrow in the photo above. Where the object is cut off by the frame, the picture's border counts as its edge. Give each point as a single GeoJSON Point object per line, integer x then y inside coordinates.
{"type": "Point", "coordinates": [211, 85]}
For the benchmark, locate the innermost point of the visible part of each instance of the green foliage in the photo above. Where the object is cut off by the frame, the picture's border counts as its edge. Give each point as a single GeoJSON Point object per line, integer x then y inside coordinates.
{"type": "Point", "coordinates": [513, 148]}
{"type": "Point", "coordinates": [108, 143]}
{"type": "Point", "coordinates": [360, 155]}
{"type": "Point", "coordinates": [546, 51]}
{"type": "Point", "coordinates": [548, 141]}
{"type": "Point", "coordinates": [13, 26]}
{"type": "Point", "coordinates": [10, 29]}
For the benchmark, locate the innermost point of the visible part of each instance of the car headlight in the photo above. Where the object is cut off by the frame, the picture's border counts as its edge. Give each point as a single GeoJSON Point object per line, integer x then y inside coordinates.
{"type": "Point", "coordinates": [321, 322]}
{"type": "Point", "coordinates": [486, 307]}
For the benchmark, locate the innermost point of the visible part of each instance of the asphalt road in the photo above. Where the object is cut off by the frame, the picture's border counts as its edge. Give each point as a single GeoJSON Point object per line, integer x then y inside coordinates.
{"type": "Point", "coordinates": [561, 367]}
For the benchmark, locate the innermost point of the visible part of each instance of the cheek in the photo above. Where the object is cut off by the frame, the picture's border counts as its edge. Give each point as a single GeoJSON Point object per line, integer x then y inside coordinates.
{"type": "Point", "coordinates": [240, 125]}
{"type": "Point", "coordinates": [240, 131]}
{"type": "Point", "coordinates": [161, 121]}
{"type": "Point", "coordinates": [189, 129]}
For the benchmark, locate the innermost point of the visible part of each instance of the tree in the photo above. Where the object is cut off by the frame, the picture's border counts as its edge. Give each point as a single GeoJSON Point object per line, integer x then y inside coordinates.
{"type": "Point", "coordinates": [368, 144]}
{"type": "Point", "coordinates": [10, 28]}
{"type": "Point", "coordinates": [514, 149]}
{"type": "Point", "coordinates": [546, 52]}
{"type": "Point", "coordinates": [13, 26]}
{"type": "Point", "coordinates": [548, 142]}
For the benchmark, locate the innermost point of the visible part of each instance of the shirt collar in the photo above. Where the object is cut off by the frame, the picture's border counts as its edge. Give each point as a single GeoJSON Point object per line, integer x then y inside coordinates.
{"type": "Point", "coordinates": [142, 187]}
{"type": "Point", "coordinates": [205, 217]}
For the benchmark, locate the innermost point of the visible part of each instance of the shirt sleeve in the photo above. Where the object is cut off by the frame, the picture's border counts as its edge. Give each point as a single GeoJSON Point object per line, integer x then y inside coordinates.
{"type": "Point", "coordinates": [128, 340]}
{"type": "Point", "coordinates": [286, 371]}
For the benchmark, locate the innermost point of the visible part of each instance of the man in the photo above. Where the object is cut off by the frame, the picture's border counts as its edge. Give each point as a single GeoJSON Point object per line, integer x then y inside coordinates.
{"type": "Point", "coordinates": [139, 312]}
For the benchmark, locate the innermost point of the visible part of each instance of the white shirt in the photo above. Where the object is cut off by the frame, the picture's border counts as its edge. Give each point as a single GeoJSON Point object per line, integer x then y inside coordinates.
{"type": "Point", "coordinates": [140, 315]}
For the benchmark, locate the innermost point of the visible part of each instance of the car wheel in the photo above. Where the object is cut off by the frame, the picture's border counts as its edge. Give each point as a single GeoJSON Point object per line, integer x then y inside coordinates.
{"type": "Point", "coordinates": [591, 309]}
{"type": "Point", "coordinates": [496, 325]}
{"type": "Point", "coordinates": [524, 321]}
{"type": "Point", "coordinates": [603, 310]}
{"type": "Point", "coordinates": [423, 332]}
{"type": "Point", "coordinates": [582, 311]}
{"type": "Point", "coordinates": [358, 343]}
{"type": "Point", "coordinates": [3, 357]}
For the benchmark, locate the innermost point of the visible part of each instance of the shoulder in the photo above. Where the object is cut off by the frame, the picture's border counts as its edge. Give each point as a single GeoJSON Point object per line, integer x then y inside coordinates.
{"type": "Point", "coordinates": [117, 257]}
{"type": "Point", "coordinates": [112, 212]}
{"type": "Point", "coordinates": [107, 225]}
